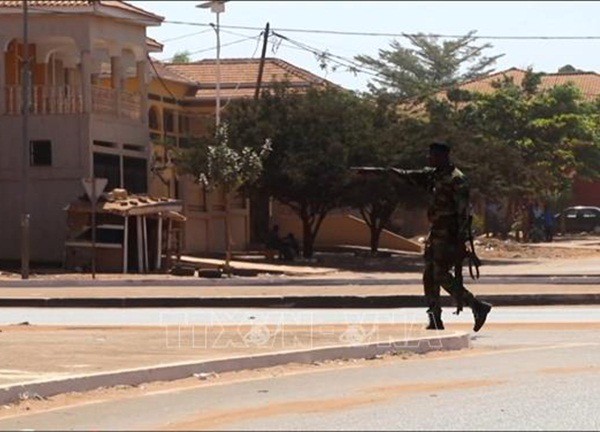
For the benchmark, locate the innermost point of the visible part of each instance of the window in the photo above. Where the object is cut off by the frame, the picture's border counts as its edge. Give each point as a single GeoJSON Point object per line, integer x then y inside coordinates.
{"type": "Point", "coordinates": [586, 214]}
{"type": "Point", "coordinates": [108, 166]}
{"type": "Point", "coordinates": [169, 121]}
{"type": "Point", "coordinates": [153, 119]}
{"type": "Point", "coordinates": [40, 153]}
{"type": "Point", "coordinates": [184, 124]}
{"type": "Point", "coordinates": [135, 174]}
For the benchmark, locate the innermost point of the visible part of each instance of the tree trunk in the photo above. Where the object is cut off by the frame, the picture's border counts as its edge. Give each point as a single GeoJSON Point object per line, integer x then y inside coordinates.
{"type": "Point", "coordinates": [375, 236]}
{"type": "Point", "coordinates": [259, 216]}
{"type": "Point", "coordinates": [307, 238]}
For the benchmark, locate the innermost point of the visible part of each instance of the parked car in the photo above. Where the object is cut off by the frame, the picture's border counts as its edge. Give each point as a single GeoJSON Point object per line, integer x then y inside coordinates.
{"type": "Point", "coordinates": [580, 218]}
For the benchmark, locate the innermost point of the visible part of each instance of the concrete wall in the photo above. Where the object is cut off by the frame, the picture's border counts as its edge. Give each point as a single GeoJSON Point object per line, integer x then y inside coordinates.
{"type": "Point", "coordinates": [340, 228]}
{"type": "Point", "coordinates": [75, 38]}
{"type": "Point", "coordinates": [51, 188]}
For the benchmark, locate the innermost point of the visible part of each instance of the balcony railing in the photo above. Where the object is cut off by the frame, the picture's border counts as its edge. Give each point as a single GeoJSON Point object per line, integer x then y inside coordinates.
{"type": "Point", "coordinates": [69, 100]}
{"type": "Point", "coordinates": [45, 100]}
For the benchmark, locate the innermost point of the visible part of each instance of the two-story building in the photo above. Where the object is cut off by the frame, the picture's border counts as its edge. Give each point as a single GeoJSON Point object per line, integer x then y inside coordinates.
{"type": "Point", "coordinates": [88, 111]}
{"type": "Point", "coordinates": [101, 106]}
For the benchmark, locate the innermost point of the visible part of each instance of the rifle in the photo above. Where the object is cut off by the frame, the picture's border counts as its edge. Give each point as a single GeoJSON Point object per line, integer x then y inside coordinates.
{"type": "Point", "coordinates": [369, 170]}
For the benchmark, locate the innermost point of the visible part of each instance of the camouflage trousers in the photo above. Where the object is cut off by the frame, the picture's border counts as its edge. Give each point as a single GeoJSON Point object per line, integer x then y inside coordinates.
{"type": "Point", "coordinates": [440, 258]}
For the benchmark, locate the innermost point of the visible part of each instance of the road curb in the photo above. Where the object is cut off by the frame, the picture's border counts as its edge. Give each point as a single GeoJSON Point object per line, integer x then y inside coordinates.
{"type": "Point", "coordinates": [583, 279]}
{"type": "Point", "coordinates": [171, 372]}
{"type": "Point", "coordinates": [294, 302]}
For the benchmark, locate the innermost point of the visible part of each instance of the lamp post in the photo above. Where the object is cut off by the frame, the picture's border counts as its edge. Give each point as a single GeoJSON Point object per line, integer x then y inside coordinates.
{"type": "Point", "coordinates": [26, 80]}
{"type": "Point", "coordinates": [217, 7]}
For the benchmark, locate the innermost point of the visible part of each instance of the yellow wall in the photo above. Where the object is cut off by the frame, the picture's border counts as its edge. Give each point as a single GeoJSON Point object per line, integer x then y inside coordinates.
{"type": "Point", "coordinates": [339, 229]}
{"type": "Point", "coordinates": [205, 228]}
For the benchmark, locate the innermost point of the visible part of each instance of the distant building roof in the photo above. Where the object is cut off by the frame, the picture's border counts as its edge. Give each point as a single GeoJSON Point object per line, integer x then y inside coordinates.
{"type": "Point", "coordinates": [169, 74]}
{"type": "Point", "coordinates": [239, 76]}
{"type": "Point", "coordinates": [153, 45]}
{"type": "Point", "coordinates": [61, 4]}
{"type": "Point", "coordinates": [587, 82]}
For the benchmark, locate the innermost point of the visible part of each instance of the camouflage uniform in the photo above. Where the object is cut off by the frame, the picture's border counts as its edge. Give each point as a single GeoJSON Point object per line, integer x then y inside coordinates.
{"type": "Point", "coordinates": [445, 245]}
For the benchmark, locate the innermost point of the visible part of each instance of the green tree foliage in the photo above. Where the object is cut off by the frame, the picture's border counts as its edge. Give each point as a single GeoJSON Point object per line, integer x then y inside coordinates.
{"type": "Point", "coordinates": [430, 64]}
{"type": "Point", "coordinates": [212, 162]}
{"type": "Point", "coordinates": [181, 57]}
{"type": "Point", "coordinates": [395, 141]}
{"type": "Point", "coordinates": [312, 134]}
{"type": "Point", "coordinates": [521, 141]}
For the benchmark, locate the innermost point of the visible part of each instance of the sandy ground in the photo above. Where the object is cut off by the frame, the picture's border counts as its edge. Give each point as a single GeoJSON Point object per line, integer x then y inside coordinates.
{"type": "Point", "coordinates": [332, 263]}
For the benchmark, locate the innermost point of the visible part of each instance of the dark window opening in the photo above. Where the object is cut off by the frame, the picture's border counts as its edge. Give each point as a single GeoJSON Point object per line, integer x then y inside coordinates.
{"type": "Point", "coordinates": [134, 147]}
{"type": "Point", "coordinates": [105, 144]}
{"type": "Point", "coordinates": [169, 121]}
{"type": "Point", "coordinates": [103, 235]}
{"type": "Point", "coordinates": [40, 153]}
{"type": "Point", "coordinates": [184, 125]}
{"type": "Point", "coordinates": [108, 166]}
{"type": "Point", "coordinates": [153, 119]}
{"type": "Point", "coordinates": [135, 175]}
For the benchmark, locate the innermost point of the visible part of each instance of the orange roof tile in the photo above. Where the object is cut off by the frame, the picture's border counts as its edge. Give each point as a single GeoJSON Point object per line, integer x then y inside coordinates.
{"type": "Point", "coordinates": [587, 82]}
{"type": "Point", "coordinates": [118, 4]}
{"type": "Point", "coordinates": [238, 76]}
{"type": "Point", "coordinates": [165, 73]}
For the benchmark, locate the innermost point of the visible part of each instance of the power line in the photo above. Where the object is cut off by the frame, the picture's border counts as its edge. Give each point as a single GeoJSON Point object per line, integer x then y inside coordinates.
{"type": "Point", "coordinates": [384, 34]}
{"type": "Point", "coordinates": [168, 60]}
{"type": "Point", "coordinates": [326, 55]}
{"type": "Point", "coordinates": [349, 33]}
{"type": "Point", "coordinates": [184, 36]}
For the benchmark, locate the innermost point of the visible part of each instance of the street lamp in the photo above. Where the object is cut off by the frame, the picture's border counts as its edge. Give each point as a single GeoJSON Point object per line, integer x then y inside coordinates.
{"type": "Point", "coordinates": [217, 7]}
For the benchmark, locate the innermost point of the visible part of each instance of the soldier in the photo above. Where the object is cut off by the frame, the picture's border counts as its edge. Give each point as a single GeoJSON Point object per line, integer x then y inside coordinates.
{"type": "Point", "coordinates": [450, 228]}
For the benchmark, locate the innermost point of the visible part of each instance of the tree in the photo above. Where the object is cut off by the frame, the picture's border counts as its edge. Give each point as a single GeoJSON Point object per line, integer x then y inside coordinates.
{"type": "Point", "coordinates": [181, 57]}
{"type": "Point", "coordinates": [429, 65]}
{"type": "Point", "coordinates": [311, 133]}
{"type": "Point", "coordinates": [520, 141]}
{"type": "Point", "coordinates": [212, 162]}
{"type": "Point", "coordinates": [569, 69]}
{"type": "Point", "coordinates": [395, 141]}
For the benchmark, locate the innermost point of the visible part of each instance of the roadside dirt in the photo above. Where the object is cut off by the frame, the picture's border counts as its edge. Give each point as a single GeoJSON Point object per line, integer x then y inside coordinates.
{"type": "Point", "coordinates": [491, 248]}
{"type": "Point", "coordinates": [31, 405]}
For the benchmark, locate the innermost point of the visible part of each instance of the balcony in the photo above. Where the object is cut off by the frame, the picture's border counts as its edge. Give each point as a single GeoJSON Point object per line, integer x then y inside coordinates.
{"type": "Point", "coordinates": [67, 99]}
{"type": "Point", "coordinates": [45, 100]}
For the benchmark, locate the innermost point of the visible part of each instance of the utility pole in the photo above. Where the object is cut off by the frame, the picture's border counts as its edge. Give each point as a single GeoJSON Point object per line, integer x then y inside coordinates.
{"type": "Point", "coordinates": [26, 81]}
{"type": "Point", "coordinates": [218, 109]}
{"type": "Point", "coordinates": [261, 66]}
{"type": "Point", "coordinates": [259, 200]}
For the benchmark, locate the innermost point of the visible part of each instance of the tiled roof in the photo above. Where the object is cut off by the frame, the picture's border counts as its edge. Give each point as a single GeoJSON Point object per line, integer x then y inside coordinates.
{"type": "Point", "coordinates": [238, 76]}
{"type": "Point", "coordinates": [78, 3]}
{"type": "Point", "coordinates": [154, 44]}
{"type": "Point", "coordinates": [587, 82]}
{"type": "Point", "coordinates": [168, 74]}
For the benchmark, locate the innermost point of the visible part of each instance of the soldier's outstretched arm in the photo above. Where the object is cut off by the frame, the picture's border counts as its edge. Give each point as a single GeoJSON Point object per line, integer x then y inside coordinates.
{"type": "Point", "coordinates": [422, 177]}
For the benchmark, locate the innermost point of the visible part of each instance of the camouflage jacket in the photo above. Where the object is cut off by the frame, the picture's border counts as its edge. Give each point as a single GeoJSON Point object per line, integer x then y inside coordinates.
{"type": "Point", "coordinates": [448, 212]}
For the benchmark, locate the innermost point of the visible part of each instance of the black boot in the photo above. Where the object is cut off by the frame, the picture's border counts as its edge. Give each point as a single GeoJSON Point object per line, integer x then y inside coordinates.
{"type": "Point", "coordinates": [435, 320]}
{"type": "Point", "coordinates": [480, 310]}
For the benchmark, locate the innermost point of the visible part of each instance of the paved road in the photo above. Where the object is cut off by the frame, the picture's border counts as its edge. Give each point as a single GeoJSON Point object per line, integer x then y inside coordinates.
{"type": "Point", "coordinates": [511, 379]}
{"type": "Point", "coordinates": [160, 316]}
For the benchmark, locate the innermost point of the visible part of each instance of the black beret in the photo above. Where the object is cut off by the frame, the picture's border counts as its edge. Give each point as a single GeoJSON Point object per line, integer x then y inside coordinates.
{"type": "Point", "coordinates": [439, 146]}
